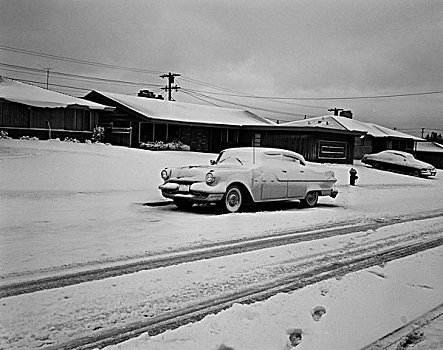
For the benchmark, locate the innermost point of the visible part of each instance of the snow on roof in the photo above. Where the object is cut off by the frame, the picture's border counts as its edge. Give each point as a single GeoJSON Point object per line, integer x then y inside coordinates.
{"type": "Point", "coordinates": [343, 123]}
{"type": "Point", "coordinates": [30, 95]}
{"type": "Point", "coordinates": [186, 112]}
{"type": "Point", "coordinates": [433, 147]}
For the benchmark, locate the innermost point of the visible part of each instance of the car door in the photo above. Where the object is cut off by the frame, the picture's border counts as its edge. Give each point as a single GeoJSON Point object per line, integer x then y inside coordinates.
{"type": "Point", "coordinates": [297, 177]}
{"type": "Point", "coordinates": [274, 181]}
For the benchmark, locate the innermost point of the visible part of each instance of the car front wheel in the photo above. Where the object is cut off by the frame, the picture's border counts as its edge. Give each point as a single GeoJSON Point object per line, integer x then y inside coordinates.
{"type": "Point", "coordinates": [233, 200]}
{"type": "Point", "coordinates": [310, 200]}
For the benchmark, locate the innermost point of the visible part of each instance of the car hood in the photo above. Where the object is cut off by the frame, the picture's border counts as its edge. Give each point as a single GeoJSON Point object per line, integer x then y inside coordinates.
{"type": "Point", "coordinates": [196, 173]}
{"type": "Point", "coordinates": [420, 164]}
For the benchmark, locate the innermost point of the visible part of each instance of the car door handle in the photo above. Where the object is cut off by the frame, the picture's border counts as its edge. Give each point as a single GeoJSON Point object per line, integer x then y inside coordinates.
{"type": "Point", "coordinates": [284, 171]}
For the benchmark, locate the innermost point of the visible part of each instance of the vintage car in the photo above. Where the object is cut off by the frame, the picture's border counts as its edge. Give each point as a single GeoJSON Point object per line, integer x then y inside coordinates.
{"type": "Point", "coordinates": [247, 175]}
{"type": "Point", "coordinates": [399, 161]}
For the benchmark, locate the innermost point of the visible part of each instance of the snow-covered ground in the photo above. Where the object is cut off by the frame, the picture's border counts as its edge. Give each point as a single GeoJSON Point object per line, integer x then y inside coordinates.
{"type": "Point", "coordinates": [360, 308]}
{"type": "Point", "coordinates": [67, 206]}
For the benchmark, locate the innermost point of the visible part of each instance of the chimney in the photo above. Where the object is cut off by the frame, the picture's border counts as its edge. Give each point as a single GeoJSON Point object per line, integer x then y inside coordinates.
{"type": "Point", "coordinates": [346, 114]}
{"type": "Point", "coordinates": [146, 93]}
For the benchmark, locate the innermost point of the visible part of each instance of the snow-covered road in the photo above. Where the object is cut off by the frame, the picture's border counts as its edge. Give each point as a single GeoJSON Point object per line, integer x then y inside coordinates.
{"type": "Point", "coordinates": [67, 207]}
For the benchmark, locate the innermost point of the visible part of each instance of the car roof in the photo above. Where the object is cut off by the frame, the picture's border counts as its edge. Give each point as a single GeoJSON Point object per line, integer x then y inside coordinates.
{"type": "Point", "coordinates": [405, 154]}
{"type": "Point", "coordinates": [264, 150]}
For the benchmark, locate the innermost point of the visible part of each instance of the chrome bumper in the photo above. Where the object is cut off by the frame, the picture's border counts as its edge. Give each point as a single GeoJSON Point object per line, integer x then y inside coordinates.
{"type": "Point", "coordinates": [176, 191]}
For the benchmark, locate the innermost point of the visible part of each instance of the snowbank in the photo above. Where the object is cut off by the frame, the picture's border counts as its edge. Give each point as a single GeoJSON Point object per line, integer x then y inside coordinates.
{"type": "Point", "coordinates": [69, 206]}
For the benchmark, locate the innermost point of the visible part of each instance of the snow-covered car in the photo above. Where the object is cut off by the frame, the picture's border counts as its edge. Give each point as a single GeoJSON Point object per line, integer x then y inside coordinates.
{"type": "Point", "coordinates": [399, 161]}
{"type": "Point", "coordinates": [247, 175]}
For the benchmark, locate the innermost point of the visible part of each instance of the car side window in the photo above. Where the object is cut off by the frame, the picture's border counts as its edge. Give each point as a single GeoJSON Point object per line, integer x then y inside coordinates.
{"type": "Point", "coordinates": [292, 160]}
{"type": "Point", "coordinates": [399, 157]}
{"type": "Point", "coordinates": [271, 158]}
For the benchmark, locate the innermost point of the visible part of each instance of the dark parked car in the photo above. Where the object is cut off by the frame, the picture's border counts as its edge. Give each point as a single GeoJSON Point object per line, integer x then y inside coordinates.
{"type": "Point", "coordinates": [247, 174]}
{"type": "Point", "coordinates": [399, 161]}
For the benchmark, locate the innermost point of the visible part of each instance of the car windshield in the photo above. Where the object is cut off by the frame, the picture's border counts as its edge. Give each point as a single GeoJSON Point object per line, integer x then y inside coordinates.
{"type": "Point", "coordinates": [239, 157]}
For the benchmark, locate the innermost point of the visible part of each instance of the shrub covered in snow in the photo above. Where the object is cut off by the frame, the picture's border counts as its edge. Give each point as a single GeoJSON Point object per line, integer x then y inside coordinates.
{"type": "Point", "coordinates": [4, 135]}
{"type": "Point", "coordinates": [69, 139]}
{"type": "Point", "coordinates": [98, 133]}
{"type": "Point", "coordinates": [160, 145]}
{"type": "Point", "coordinates": [29, 138]}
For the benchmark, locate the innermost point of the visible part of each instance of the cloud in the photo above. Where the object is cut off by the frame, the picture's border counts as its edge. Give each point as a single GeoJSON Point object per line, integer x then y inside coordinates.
{"type": "Point", "coordinates": [284, 48]}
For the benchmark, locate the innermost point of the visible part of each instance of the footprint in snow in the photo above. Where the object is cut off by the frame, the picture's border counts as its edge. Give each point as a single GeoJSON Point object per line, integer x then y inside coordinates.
{"type": "Point", "coordinates": [295, 336]}
{"type": "Point", "coordinates": [318, 312]}
{"type": "Point", "coordinates": [379, 274]}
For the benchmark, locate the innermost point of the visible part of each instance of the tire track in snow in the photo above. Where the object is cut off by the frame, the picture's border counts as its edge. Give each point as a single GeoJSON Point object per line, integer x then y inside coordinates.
{"type": "Point", "coordinates": [329, 269]}
{"type": "Point", "coordinates": [210, 251]}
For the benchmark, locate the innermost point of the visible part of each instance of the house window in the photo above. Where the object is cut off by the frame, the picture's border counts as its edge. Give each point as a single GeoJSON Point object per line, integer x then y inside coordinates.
{"type": "Point", "coordinates": [146, 132]}
{"type": "Point", "coordinates": [173, 132]}
{"type": "Point", "coordinates": [231, 136]}
{"type": "Point", "coordinates": [160, 132]}
{"type": "Point", "coordinates": [332, 150]}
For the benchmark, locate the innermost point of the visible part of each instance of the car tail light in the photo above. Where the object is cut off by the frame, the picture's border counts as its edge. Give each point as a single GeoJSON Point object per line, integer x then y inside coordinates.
{"type": "Point", "coordinates": [210, 178]}
{"type": "Point", "coordinates": [164, 174]}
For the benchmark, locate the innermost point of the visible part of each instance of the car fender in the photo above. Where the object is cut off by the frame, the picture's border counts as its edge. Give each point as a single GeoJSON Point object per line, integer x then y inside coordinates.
{"type": "Point", "coordinates": [221, 186]}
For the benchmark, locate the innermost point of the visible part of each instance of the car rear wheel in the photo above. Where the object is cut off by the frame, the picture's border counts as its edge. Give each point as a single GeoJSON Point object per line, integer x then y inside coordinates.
{"type": "Point", "coordinates": [183, 204]}
{"type": "Point", "coordinates": [310, 200]}
{"type": "Point", "coordinates": [233, 200]}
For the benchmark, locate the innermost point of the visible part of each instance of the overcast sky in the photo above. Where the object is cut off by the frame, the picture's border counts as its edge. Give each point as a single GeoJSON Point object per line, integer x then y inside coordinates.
{"type": "Point", "coordinates": [295, 49]}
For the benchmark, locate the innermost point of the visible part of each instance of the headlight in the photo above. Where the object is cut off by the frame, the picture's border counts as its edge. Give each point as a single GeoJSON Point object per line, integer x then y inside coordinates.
{"type": "Point", "coordinates": [164, 174]}
{"type": "Point", "coordinates": [210, 178]}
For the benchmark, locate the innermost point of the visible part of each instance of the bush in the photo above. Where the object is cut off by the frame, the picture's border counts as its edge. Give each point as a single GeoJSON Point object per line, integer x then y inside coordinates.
{"type": "Point", "coordinates": [98, 134]}
{"type": "Point", "coordinates": [29, 138]}
{"type": "Point", "coordinates": [160, 145]}
{"type": "Point", "coordinates": [70, 139]}
{"type": "Point", "coordinates": [4, 135]}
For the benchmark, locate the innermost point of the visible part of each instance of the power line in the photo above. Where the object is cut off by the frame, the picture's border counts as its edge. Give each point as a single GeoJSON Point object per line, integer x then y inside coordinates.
{"type": "Point", "coordinates": [77, 77]}
{"type": "Point", "coordinates": [235, 93]}
{"type": "Point", "coordinates": [199, 98]}
{"type": "Point", "coordinates": [242, 94]}
{"type": "Point", "coordinates": [252, 107]}
{"type": "Point", "coordinates": [139, 70]}
{"type": "Point", "coordinates": [76, 60]}
{"type": "Point", "coordinates": [363, 97]}
{"type": "Point", "coordinates": [39, 82]}
{"type": "Point", "coordinates": [258, 98]}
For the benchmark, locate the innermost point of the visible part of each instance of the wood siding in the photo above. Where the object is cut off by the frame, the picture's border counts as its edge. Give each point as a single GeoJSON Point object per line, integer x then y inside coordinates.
{"type": "Point", "coordinates": [315, 147]}
{"type": "Point", "coordinates": [22, 116]}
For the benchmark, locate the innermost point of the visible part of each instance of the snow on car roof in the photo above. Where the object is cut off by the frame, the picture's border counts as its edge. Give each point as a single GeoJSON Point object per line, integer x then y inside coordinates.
{"type": "Point", "coordinates": [404, 154]}
{"type": "Point", "coordinates": [268, 150]}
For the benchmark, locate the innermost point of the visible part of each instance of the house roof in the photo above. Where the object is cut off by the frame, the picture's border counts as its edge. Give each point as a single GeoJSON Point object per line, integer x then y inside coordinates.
{"type": "Point", "coordinates": [343, 123]}
{"type": "Point", "coordinates": [31, 95]}
{"type": "Point", "coordinates": [432, 147]}
{"type": "Point", "coordinates": [173, 111]}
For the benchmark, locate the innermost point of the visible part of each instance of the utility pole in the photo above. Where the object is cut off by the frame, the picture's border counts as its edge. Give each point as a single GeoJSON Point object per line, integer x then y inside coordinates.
{"type": "Point", "coordinates": [47, 69]}
{"type": "Point", "coordinates": [169, 87]}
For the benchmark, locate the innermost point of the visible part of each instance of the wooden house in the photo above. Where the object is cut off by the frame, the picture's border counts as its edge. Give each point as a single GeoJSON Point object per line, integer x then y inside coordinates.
{"type": "Point", "coordinates": [28, 110]}
{"type": "Point", "coordinates": [203, 128]}
{"type": "Point", "coordinates": [211, 129]}
{"type": "Point", "coordinates": [430, 152]}
{"type": "Point", "coordinates": [374, 138]}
